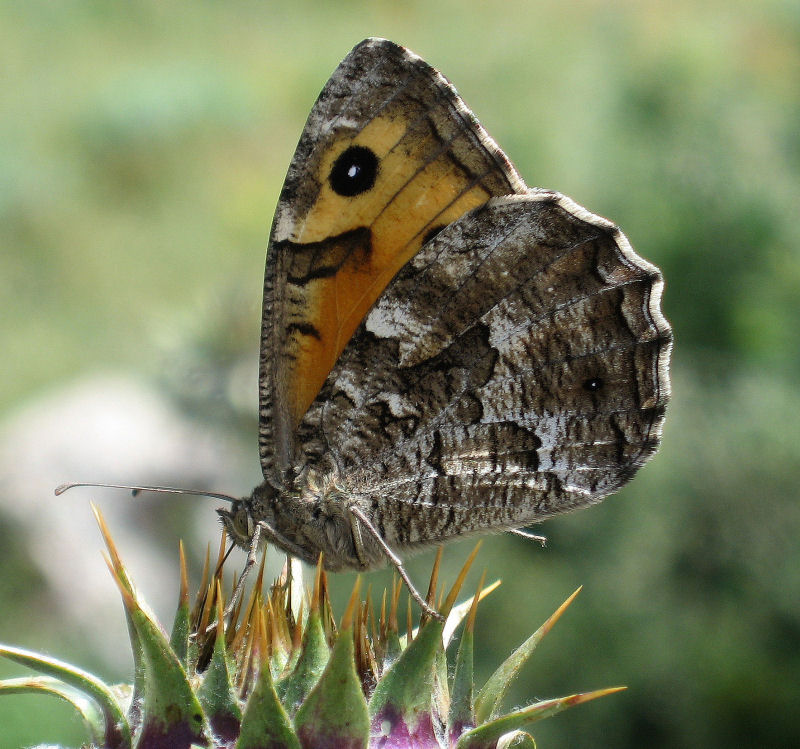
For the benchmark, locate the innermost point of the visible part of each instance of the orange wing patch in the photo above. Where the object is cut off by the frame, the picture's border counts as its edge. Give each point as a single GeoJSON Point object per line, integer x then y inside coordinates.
{"type": "Point", "coordinates": [389, 155]}
{"type": "Point", "coordinates": [360, 231]}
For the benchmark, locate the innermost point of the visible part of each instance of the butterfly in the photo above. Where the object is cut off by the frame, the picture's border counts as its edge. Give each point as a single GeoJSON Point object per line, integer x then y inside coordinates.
{"type": "Point", "coordinates": [444, 351]}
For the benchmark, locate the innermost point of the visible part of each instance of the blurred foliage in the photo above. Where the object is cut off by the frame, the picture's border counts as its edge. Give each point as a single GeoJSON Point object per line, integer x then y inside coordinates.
{"type": "Point", "coordinates": [142, 148]}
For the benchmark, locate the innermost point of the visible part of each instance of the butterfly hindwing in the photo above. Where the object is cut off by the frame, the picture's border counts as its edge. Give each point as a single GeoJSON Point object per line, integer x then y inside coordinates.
{"type": "Point", "coordinates": [389, 155]}
{"type": "Point", "coordinates": [516, 367]}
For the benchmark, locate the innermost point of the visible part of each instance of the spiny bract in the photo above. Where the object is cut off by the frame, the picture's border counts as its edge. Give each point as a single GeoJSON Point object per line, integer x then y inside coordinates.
{"type": "Point", "coordinates": [278, 672]}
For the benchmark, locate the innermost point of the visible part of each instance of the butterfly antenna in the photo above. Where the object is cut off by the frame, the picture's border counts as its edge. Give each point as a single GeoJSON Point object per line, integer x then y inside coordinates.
{"type": "Point", "coordinates": [137, 489]}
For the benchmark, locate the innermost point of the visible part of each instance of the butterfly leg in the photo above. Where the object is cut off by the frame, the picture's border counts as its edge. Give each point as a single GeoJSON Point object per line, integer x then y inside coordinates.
{"type": "Point", "coordinates": [396, 561]}
{"type": "Point", "coordinates": [530, 536]}
{"type": "Point", "coordinates": [248, 565]}
{"type": "Point", "coordinates": [279, 540]}
{"type": "Point", "coordinates": [237, 591]}
{"type": "Point", "coordinates": [261, 527]}
{"type": "Point", "coordinates": [270, 533]}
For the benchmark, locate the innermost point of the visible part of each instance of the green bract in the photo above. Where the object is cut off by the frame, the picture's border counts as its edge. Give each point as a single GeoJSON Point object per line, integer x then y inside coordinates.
{"type": "Point", "coordinates": [278, 674]}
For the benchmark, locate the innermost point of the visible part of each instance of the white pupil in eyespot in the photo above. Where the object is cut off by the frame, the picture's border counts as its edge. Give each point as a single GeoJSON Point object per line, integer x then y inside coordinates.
{"type": "Point", "coordinates": [352, 171]}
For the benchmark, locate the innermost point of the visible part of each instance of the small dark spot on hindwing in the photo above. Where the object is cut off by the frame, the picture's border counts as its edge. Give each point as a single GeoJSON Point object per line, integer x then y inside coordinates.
{"type": "Point", "coordinates": [593, 384]}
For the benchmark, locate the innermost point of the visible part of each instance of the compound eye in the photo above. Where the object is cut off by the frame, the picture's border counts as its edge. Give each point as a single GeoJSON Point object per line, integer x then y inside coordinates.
{"type": "Point", "coordinates": [242, 523]}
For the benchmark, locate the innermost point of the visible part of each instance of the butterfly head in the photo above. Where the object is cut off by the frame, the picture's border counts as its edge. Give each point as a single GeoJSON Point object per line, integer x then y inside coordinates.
{"type": "Point", "coordinates": [238, 522]}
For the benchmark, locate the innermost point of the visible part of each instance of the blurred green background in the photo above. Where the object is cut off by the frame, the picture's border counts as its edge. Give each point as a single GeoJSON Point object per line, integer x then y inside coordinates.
{"type": "Point", "coordinates": [143, 147]}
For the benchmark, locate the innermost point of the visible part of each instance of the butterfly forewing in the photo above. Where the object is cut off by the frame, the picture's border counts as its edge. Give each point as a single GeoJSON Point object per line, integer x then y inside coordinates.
{"type": "Point", "coordinates": [515, 368]}
{"type": "Point", "coordinates": [389, 156]}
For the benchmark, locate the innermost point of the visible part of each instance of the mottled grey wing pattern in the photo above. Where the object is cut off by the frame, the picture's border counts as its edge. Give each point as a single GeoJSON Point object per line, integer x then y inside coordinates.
{"type": "Point", "coordinates": [435, 162]}
{"type": "Point", "coordinates": [517, 367]}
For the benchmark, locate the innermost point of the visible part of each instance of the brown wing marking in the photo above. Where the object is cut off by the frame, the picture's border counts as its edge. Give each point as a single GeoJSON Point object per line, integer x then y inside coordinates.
{"type": "Point", "coordinates": [334, 251]}
{"type": "Point", "coordinates": [373, 239]}
{"type": "Point", "coordinates": [515, 369]}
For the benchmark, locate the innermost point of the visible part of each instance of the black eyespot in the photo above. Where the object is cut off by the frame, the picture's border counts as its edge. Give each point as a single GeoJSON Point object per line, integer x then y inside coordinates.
{"type": "Point", "coordinates": [431, 233]}
{"type": "Point", "coordinates": [354, 171]}
{"type": "Point", "coordinates": [593, 384]}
